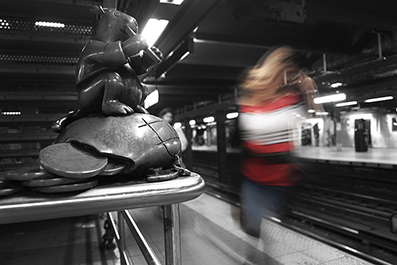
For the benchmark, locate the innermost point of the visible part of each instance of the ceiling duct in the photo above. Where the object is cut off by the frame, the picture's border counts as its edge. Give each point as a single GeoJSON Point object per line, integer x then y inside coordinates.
{"type": "Point", "coordinates": [275, 10]}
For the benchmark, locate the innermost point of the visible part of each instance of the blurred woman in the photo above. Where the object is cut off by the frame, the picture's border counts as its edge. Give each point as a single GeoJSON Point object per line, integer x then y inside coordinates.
{"type": "Point", "coordinates": [274, 95]}
{"type": "Point", "coordinates": [168, 115]}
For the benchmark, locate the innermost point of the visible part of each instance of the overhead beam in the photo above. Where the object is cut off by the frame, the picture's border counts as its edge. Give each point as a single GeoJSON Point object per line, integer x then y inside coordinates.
{"type": "Point", "coordinates": [184, 49]}
{"type": "Point", "coordinates": [358, 70]}
{"type": "Point", "coordinates": [36, 69]}
{"type": "Point", "coordinates": [183, 81]}
{"type": "Point", "coordinates": [299, 45]}
{"type": "Point", "coordinates": [14, 36]}
{"type": "Point", "coordinates": [191, 71]}
{"type": "Point", "coordinates": [188, 90]}
{"type": "Point", "coordinates": [350, 17]}
{"type": "Point", "coordinates": [191, 13]}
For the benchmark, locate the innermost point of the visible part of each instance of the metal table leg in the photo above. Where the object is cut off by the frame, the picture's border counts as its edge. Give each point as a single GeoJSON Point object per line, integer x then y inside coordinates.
{"type": "Point", "coordinates": [172, 236]}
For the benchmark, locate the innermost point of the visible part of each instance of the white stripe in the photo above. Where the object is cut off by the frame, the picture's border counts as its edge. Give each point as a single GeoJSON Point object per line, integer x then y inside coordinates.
{"type": "Point", "coordinates": [272, 127]}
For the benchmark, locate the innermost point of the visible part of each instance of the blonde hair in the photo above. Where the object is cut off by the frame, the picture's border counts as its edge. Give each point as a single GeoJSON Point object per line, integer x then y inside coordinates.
{"type": "Point", "coordinates": [271, 77]}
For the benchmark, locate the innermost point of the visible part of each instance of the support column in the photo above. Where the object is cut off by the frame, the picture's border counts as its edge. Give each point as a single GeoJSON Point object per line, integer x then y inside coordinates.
{"type": "Point", "coordinates": [120, 221]}
{"type": "Point", "coordinates": [188, 154]}
{"type": "Point", "coordinates": [221, 144]}
{"type": "Point", "coordinates": [172, 237]}
{"type": "Point", "coordinates": [338, 129]}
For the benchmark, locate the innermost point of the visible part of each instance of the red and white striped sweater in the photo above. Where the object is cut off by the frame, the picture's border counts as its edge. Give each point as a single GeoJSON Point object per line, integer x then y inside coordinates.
{"type": "Point", "coordinates": [268, 133]}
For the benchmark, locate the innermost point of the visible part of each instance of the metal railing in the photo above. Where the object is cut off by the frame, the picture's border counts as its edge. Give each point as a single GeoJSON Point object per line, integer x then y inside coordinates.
{"type": "Point", "coordinates": [172, 240]}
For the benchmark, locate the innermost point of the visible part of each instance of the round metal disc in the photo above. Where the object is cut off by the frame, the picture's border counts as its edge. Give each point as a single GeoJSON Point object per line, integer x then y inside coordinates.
{"type": "Point", "coordinates": [10, 191]}
{"type": "Point", "coordinates": [68, 160]}
{"type": "Point", "coordinates": [165, 175]}
{"type": "Point", "coordinates": [24, 174]}
{"type": "Point", "coordinates": [47, 182]}
{"type": "Point", "coordinates": [67, 188]}
{"type": "Point", "coordinates": [7, 188]}
{"type": "Point", "coordinates": [112, 169]}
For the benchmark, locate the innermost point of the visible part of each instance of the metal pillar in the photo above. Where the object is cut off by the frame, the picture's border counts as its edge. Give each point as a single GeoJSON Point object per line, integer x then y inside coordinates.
{"type": "Point", "coordinates": [221, 144]}
{"type": "Point", "coordinates": [188, 154]}
{"type": "Point", "coordinates": [172, 239]}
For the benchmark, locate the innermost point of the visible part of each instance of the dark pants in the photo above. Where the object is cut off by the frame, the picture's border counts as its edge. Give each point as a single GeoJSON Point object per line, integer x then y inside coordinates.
{"type": "Point", "coordinates": [259, 201]}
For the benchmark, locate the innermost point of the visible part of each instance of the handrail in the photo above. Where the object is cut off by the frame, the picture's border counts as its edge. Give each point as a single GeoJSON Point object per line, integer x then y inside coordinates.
{"type": "Point", "coordinates": [171, 236]}
{"type": "Point", "coordinates": [146, 250]}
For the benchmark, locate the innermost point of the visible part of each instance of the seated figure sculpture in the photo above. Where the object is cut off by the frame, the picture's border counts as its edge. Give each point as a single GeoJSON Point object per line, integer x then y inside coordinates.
{"type": "Point", "coordinates": [110, 134]}
{"type": "Point", "coordinates": [108, 68]}
{"type": "Point", "coordinates": [111, 119]}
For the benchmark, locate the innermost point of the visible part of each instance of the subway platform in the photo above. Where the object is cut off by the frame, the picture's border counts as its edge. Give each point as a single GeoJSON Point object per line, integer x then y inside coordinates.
{"type": "Point", "coordinates": [209, 235]}
{"type": "Point", "coordinates": [374, 157]}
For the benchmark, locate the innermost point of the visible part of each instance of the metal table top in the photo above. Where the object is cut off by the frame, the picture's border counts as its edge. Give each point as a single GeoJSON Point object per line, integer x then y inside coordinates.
{"type": "Point", "coordinates": [111, 196]}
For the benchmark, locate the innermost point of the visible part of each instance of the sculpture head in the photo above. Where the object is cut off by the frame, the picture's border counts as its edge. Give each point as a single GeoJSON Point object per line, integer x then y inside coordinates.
{"type": "Point", "coordinates": [112, 24]}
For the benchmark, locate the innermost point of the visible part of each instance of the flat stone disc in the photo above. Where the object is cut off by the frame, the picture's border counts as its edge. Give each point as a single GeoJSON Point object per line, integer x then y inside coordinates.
{"type": "Point", "coordinates": [24, 174]}
{"type": "Point", "coordinates": [68, 160]}
{"type": "Point", "coordinates": [67, 188]}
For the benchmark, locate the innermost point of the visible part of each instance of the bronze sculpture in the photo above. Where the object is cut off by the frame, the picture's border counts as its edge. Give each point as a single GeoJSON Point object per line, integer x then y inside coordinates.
{"type": "Point", "coordinates": [110, 133]}
{"type": "Point", "coordinates": [108, 68]}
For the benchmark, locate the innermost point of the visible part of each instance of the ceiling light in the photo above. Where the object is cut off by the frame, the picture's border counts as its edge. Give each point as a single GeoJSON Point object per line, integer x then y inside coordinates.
{"type": "Point", "coordinates": [319, 113]}
{"type": "Point", "coordinates": [365, 116]}
{"type": "Point", "coordinates": [151, 99]}
{"type": "Point", "coordinates": [184, 56]}
{"type": "Point", "coordinates": [10, 113]}
{"type": "Point", "coordinates": [153, 30]}
{"type": "Point", "coordinates": [330, 98]}
{"type": "Point", "coordinates": [178, 125]}
{"type": "Point", "coordinates": [348, 103]}
{"type": "Point", "coordinates": [378, 99]}
{"type": "Point", "coordinates": [174, 2]}
{"type": "Point", "coordinates": [192, 122]}
{"type": "Point", "coordinates": [232, 115]}
{"type": "Point", "coordinates": [4, 24]}
{"type": "Point", "coordinates": [311, 111]}
{"type": "Point", "coordinates": [49, 24]}
{"type": "Point", "coordinates": [209, 119]}
{"type": "Point", "coordinates": [337, 84]}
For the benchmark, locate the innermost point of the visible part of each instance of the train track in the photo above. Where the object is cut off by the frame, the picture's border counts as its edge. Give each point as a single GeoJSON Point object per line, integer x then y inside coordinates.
{"type": "Point", "coordinates": [353, 222]}
{"type": "Point", "coordinates": [347, 206]}
{"type": "Point", "coordinates": [362, 219]}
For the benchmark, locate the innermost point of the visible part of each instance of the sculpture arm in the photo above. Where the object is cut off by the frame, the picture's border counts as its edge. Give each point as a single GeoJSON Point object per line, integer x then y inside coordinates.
{"type": "Point", "coordinates": [114, 54]}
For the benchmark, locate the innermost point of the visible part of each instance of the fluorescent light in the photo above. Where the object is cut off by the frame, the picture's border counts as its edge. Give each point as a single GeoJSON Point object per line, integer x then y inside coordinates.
{"type": "Point", "coordinates": [275, 219]}
{"type": "Point", "coordinates": [4, 24]}
{"type": "Point", "coordinates": [174, 2]}
{"type": "Point", "coordinates": [378, 99]}
{"type": "Point", "coordinates": [184, 56]}
{"type": "Point", "coordinates": [11, 113]}
{"type": "Point", "coordinates": [348, 103]}
{"type": "Point", "coordinates": [153, 30]}
{"type": "Point", "coordinates": [337, 84]}
{"type": "Point", "coordinates": [49, 24]}
{"type": "Point", "coordinates": [209, 119]}
{"type": "Point", "coordinates": [151, 99]}
{"type": "Point", "coordinates": [319, 113]}
{"type": "Point", "coordinates": [365, 116]}
{"type": "Point", "coordinates": [330, 98]}
{"type": "Point", "coordinates": [232, 115]}
{"type": "Point", "coordinates": [311, 111]}
{"type": "Point", "coordinates": [192, 122]}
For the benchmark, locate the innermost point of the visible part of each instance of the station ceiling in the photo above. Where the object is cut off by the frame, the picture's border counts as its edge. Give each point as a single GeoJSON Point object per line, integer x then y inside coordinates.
{"type": "Point", "coordinates": [352, 42]}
